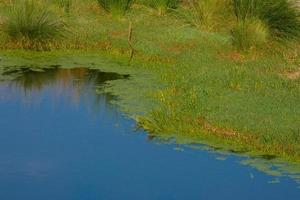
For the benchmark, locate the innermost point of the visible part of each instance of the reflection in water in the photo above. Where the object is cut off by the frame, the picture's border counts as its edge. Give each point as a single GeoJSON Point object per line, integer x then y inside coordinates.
{"type": "Point", "coordinates": [76, 85]}
{"type": "Point", "coordinates": [62, 154]}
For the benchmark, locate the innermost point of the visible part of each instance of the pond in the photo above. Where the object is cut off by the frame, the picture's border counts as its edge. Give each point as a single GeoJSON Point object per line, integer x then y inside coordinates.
{"type": "Point", "coordinates": [62, 140]}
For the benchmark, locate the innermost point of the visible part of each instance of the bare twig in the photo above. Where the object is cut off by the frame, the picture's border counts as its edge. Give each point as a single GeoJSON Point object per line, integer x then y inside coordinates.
{"type": "Point", "coordinates": [130, 30]}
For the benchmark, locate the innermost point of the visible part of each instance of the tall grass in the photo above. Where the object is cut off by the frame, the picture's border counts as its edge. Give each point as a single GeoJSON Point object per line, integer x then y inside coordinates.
{"type": "Point", "coordinates": [204, 13]}
{"type": "Point", "coordinates": [162, 5]}
{"type": "Point", "coordinates": [31, 24]}
{"type": "Point", "coordinates": [281, 16]}
{"type": "Point", "coordinates": [207, 15]}
{"type": "Point", "coordinates": [65, 4]}
{"type": "Point", "coordinates": [116, 7]}
{"type": "Point", "coordinates": [250, 34]}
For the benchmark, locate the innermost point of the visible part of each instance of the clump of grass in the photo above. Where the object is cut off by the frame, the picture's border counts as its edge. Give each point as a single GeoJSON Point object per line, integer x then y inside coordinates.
{"type": "Point", "coordinates": [162, 5]}
{"type": "Point", "coordinates": [65, 4]}
{"type": "Point", "coordinates": [204, 12]}
{"type": "Point", "coordinates": [116, 7]}
{"type": "Point", "coordinates": [249, 34]}
{"type": "Point", "coordinates": [281, 16]}
{"type": "Point", "coordinates": [32, 25]}
{"type": "Point", "coordinates": [207, 15]}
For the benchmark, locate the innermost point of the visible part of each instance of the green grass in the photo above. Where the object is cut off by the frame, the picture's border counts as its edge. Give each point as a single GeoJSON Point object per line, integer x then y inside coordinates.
{"type": "Point", "coordinates": [30, 24]}
{"type": "Point", "coordinates": [249, 34]}
{"type": "Point", "coordinates": [65, 4]}
{"type": "Point", "coordinates": [197, 88]}
{"type": "Point", "coordinates": [204, 13]}
{"type": "Point", "coordinates": [162, 6]}
{"type": "Point", "coordinates": [116, 7]}
{"type": "Point", "coordinates": [281, 16]}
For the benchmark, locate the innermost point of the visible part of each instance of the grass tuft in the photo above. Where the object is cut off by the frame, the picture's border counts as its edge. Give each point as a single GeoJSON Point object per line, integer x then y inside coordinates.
{"type": "Point", "coordinates": [65, 4]}
{"type": "Point", "coordinates": [204, 13]}
{"type": "Point", "coordinates": [31, 24]}
{"type": "Point", "coordinates": [162, 6]}
{"type": "Point", "coordinates": [249, 34]}
{"type": "Point", "coordinates": [281, 16]}
{"type": "Point", "coordinates": [116, 7]}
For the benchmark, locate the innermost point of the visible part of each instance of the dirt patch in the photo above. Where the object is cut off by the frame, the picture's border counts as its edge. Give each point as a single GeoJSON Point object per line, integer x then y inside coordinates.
{"type": "Point", "coordinates": [220, 131]}
{"type": "Point", "coordinates": [178, 48]}
{"type": "Point", "coordinates": [217, 130]}
{"type": "Point", "coordinates": [119, 34]}
{"type": "Point", "coordinates": [293, 75]}
{"type": "Point", "coordinates": [237, 56]}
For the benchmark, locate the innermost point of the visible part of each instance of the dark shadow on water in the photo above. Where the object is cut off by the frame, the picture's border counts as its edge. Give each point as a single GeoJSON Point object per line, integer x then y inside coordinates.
{"type": "Point", "coordinates": [268, 157]}
{"type": "Point", "coordinates": [33, 77]}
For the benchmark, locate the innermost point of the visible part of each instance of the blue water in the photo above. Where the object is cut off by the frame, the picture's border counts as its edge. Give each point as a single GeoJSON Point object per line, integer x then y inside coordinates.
{"type": "Point", "coordinates": [59, 140]}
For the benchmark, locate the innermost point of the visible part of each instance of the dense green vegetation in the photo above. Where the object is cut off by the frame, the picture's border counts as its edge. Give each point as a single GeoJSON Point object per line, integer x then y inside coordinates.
{"type": "Point", "coordinates": [30, 24]}
{"type": "Point", "coordinates": [227, 73]}
{"type": "Point", "coordinates": [280, 16]}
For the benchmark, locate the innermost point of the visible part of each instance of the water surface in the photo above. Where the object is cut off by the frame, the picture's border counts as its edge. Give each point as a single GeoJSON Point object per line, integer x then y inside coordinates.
{"type": "Point", "coordinates": [61, 140]}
